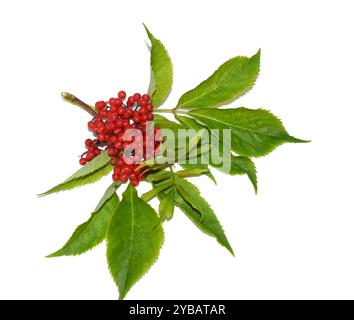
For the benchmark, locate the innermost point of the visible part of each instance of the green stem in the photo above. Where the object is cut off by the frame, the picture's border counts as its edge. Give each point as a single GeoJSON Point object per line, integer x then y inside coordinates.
{"type": "Point", "coordinates": [68, 97]}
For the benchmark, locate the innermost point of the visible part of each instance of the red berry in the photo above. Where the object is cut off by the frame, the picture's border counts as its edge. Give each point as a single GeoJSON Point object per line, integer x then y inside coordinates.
{"type": "Point", "coordinates": [120, 162]}
{"type": "Point", "coordinates": [90, 155]}
{"type": "Point", "coordinates": [91, 125]}
{"type": "Point", "coordinates": [111, 101]}
{"type": "Point", "coordinates": [150, 117]}
{"type": "Point", "coordinates": [121, 110]}
{"type": "Point", "coordinates": [136, 97]}
{"type": "Point", "coordinates": [118, 130]}
{"type": "Point", "coordinates": [88, 142]}
{"type": "Point", "coordinates": [125, 123]}
{"type": "Point", "coordinates": [83, 161]}
{"type": "Point", "coordinates": [118, 144]}
{"type": "Point", "coordinates": [143, 110]}
{"type": "Point", "coordinates": [130, 102]}
{"type": "Point", "coordinates": [123, 177]}
{"type": "Point", "coordinates": [135, 182]}
{"type": "Point", "coordinates": [115, 177]}
{"type": "Point", "coordinates": [112, 152]}
{"type": "Point", "coordinates": [133, 175]}
{"type": "Point", "coordinates": [97, 152]}
{"type": "Point", "coordinates": [100, 105]}
{"type": "Point", "coordinates": [117, 170]}
{"type": "Point", "coordinates": [136, 118]}
{"type": "Point", "coordinates": [149, 107]}
{"type": "Point", "coordinates": [143, 103]}
{"type": "Point", "coordinates": [127, 114]}
{"type": "Point", "coordinates": [145, 97]}
{"type": "Point", "coordinates": [122, 95]}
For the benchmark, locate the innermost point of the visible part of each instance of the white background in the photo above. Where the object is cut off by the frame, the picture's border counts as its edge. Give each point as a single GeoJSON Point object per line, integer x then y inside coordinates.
{"type": "Point", "coordinates": [293, 240]}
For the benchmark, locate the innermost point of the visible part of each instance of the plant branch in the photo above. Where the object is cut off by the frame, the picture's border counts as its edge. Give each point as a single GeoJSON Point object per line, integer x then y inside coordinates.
{"type": "Point", "coordinates": [68, 97]}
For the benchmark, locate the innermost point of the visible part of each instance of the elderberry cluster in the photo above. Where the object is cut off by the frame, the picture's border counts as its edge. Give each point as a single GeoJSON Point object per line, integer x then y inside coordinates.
{"type": "Point", "coordinates": [110, 126]}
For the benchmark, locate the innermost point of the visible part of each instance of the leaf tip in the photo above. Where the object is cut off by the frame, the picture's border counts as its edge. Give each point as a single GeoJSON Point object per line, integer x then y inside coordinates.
{"type": "Point", "coordinates": [296, 140]}
{"type": "Point", "coordinates": [148, 31]}
{"type": "Point", "coordinates": [53, 255]}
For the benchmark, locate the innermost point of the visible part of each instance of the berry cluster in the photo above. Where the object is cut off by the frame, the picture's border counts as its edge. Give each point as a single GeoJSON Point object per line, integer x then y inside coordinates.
{"type": "Point", "coordinates": [120, 129]}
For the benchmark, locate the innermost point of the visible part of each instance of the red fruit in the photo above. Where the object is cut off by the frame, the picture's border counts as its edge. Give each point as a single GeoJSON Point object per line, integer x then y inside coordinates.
{"type": "Point", "coordinates": [130, 102]}
{"type": "Point", "coordinates": [136, 118]}
{"type": "Point", "coordinates": [91, 125]}
{"type": "Point", "coordinates": [101, 137]}
{"type": "Point", "coordinates": [125, 123]}
{"type": "Point", "coordinates": [149, 107]}
{"type": "Point", "coordinates": [149, 117]}
{"type": "Point", "coordinates": [88, 142]}
{"type": "Point", "coordinates": [90, 155]}
{"type": "Point", "coordinates": [133, 175]}
{"type": "Point", "coordinates": [118, 144]}
{"type": "Point", "coordinates": [118, 130]}
{"type": "Point", "coordinates": [121, 110]}
{"type": "Point", "coordinates": [119, 123]}
{"type": "Point", "coordinates": [112, 152]}
{"type": "Point", "coordinates": [143, 110]}
{"type": "Point", "coordinates": [120, 162]}
{"type": "Point", "coordinates": [82, 161]}
{"type": "Point", "coordinates": [115, 177]}
{"type": "Point", "coordinates": [123, 177]}
{"type": "Point", "coordinates": [127, 114]}
{"type": "Point", "coordinates": [117, 170]}
{"type": "Point", "coordinates": [114, 139]}
{"type": "Point", "coordinates": [100, 105]}
{"type": "Point", "coordinates": [100, 127]}
{"type": "Point", "coordinates": [136, 97]}
{"type": "Point", "coordinates": [135, 182]}
{"type": "Point", "coordinates": [145, 97]}
{"type": "Point", "coordinates": [111, 101]}
{"type": "Point", "coordinates": [143, 103]}
{"type": "Point", "coordinates": [97, 152]}
{"type": "Point", "coordinates": [122, 95]}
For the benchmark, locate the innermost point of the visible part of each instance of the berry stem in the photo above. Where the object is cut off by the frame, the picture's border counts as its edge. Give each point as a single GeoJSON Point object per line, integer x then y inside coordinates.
{"type": "Point", "coordinates": [68, 97]}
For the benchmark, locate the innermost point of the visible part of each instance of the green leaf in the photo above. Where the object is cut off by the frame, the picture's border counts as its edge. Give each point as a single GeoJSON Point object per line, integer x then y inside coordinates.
{"type": "Point", "coordinates": [163, 123]}
{"type": "Point", "coordinates": [111, 190]}
{"type": "Point", "coordinates": [134, 239]}
{"type": "Point", "coordinates": [199, 166]}
{"type": "Point", "coordinates": [161, 71]}
{"type": "Point", "coordinates": [189, 122]}
{"type": "Point", "coordinates": [189, 200]}
{"type": "Point", "coordinates": [239, 165]}
{"type": "Point", "coordinates": [147, 196]}
{"type": "Point", "coordinates": [193, 124]}
{"type": "Point", "coordinates": [231, 80]}
{"type": "Point", "coordinates": [91, 172]}
{"type": "Point", "coordinates": [167, 204]}
{"type": "Point", "coordinates": [93, 231]}
{"type": "Point", "coordinates": [254, 133]}
{"type": "Point", "coordinates": [195, 172]}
